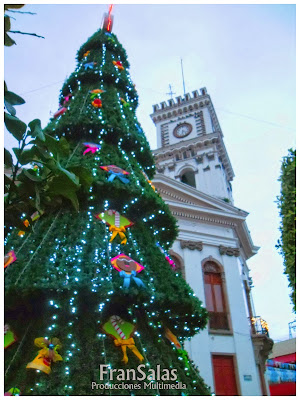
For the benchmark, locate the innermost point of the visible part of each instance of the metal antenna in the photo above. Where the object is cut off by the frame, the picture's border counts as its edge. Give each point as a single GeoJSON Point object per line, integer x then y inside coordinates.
{"type": "Point", "coordinates": [171, 93]}
{"type": "Point", "coordinates": [182, 77]}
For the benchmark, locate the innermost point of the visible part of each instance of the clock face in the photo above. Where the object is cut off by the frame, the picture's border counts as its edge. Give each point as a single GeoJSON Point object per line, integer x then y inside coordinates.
{"type": "Point", "coordinates": [182, 130]}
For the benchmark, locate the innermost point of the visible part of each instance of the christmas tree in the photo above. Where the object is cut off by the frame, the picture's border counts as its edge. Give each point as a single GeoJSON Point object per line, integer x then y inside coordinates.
{"type": "Point", "coordinates": [91, 282]}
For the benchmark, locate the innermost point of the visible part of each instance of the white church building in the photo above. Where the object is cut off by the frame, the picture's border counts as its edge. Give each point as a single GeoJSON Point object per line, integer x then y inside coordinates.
{"type": "Point", "coordinates": [194, 177]}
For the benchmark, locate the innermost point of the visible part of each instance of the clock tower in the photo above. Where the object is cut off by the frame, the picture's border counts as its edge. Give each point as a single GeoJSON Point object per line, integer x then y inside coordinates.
{"type": "Point", "coordinates": [190, 144]}
{"type": "Point", "coordinates": [213, 245]}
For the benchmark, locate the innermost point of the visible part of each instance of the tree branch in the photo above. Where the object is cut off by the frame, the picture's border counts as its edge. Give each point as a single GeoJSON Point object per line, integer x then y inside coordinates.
{"type": "Point", "coordinates": [25, 33]}
{"type": "Point", "coordinates": [21, 12]}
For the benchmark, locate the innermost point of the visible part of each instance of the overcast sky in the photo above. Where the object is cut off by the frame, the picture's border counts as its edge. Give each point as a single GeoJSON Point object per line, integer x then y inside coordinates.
{"type": "Point", "coordinates": [243, 54]}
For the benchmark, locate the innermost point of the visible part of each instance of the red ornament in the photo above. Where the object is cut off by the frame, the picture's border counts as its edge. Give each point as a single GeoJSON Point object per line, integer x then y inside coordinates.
{"type": "Point", "coordinates": [97, 103]}
{"type": "Point", "coordinates": [118, 64]}
{"type": "Point", "coordinates": [60, 112]}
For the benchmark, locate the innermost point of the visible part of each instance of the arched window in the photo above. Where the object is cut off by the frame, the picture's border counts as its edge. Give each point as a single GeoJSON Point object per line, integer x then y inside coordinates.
{"type": "Point", "coordinates": [179, 263]}
{"type": "Point", "coordinates": [188, 178]}
{"type": "Point", "coordinates": [214, 296]}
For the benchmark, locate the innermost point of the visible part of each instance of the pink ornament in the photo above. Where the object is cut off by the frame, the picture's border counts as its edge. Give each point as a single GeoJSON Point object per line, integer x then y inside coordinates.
{"type": "Point", "coordinates": [171, 262]}
{"type": "Point", "coordinates": [67, 98]}
{"type": "Point", "coordinates": [91, 147]}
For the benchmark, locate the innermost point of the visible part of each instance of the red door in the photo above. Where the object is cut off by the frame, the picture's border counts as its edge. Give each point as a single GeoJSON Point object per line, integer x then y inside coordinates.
{"type": "Point", "coordinates": [224, 375]}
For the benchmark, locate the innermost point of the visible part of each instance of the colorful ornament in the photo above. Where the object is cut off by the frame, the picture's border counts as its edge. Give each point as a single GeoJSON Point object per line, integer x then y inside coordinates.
{"type": "Point", "coordinates": [59, 112]}
{"type": "Point", "coordinates": [115, 172]}
{"type": "Point", "coordinates": [116, 222]}
{"type": "Point", "coordinates": [86, 53]}
{"type": "Point", "coordinates": [36, 215]}
{"type": "Point", "coordinates": [48, 354]}
{"type": "Point", "coordinates": [128, 268]}
{"type": "Point", "coordinates": [170, 261]}
{"type": "Point", "coordinates": [148, 180]}
{"type": "Point", "coordinates": [121, 331]}
{"type": "Point", "coordinates": [67, 98]}
{"type": "Point", "coordinates": [124, 102]}
{"type": "Point", "coordinates": [96, 92]}
{"type": "Point", "coordinates": [119, 65]}
{"type": "Point", "coordinates": [13, 392]}
{"type": "Point", "coordinates": [9, 337]}
{"type": "Point", "coordinates": [9, 258]}
{"type": "Point", "coordinates": [91, 147]}
{"type": "Point", "coordinates": [97, 103]}
{"type": "Point", "coordinates": [89, 65]}
{"type": "Point", "coordinates": [173, 339]}
{"type": "Point", "coordinates": [182, 353]}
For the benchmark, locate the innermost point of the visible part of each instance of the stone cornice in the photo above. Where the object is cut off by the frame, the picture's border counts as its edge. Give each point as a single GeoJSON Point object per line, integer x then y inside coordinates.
{"type": "Point", "coordinates": [189, 203]}
{"type": "Point", "coordinates": [201, 218]}
{"type": "Point", "coordinates": [200, 142]}
{"type": "Point", "coordinates": [170, 186]}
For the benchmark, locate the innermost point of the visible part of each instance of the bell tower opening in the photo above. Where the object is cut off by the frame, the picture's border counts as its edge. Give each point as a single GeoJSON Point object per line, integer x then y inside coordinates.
{"type": "Point", "coordinates": [188, 177]}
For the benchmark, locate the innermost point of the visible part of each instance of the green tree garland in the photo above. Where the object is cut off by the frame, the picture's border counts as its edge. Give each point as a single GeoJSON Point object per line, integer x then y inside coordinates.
{"type": "Point", "coordinates": [63, 283]}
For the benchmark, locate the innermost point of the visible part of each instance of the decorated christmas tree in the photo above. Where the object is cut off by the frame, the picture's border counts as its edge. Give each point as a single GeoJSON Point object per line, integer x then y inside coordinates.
{"type": "Point", "coordinates": [91, 298]}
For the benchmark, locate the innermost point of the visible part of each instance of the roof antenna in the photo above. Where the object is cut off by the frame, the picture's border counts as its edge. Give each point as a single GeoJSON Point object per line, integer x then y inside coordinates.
{"type": "Point", "coordinates": [182, 77]}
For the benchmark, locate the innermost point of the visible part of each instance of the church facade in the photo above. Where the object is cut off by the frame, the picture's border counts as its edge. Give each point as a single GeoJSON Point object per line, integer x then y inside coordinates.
{"type": "Point", "coordinates": [194, 177]}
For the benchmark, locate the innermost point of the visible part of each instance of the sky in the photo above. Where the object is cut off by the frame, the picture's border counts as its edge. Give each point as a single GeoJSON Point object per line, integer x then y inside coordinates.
{"type": "Point", "coordinates": [243, 54]}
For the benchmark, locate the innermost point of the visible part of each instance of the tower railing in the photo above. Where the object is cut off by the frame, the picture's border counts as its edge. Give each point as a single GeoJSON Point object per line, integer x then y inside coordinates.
{"type": "Point", "coordinates": [259, 326]}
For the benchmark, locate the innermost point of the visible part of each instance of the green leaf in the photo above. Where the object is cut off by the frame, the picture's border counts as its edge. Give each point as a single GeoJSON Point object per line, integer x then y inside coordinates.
{"type": "Point", "coordinates": [36, 129]}
{"type": "Point", "coordinates": [84, 175]}
{"type": "Point", "coordinates": [8, 41]}
{"type": "Point", "coordinates": [15, 126]}
{"type": "Point", "coordinates": [52, 144]}
{"type": "Point", "coordinates": [9, 108]}
{"type": "Point", "coordinates": [32, 176]}
{"type": "Point", "coordinates": [13, 99]}
{"type": "Point", "coordinates": [8, 161]}
{"type": "Point", "coordinates": [64, 147]}
{"type": "Point", "coordinates": [69, 175]}
{"type": "Point", "coordinates": [6, 23]}
{"type": "Point", "coordinates": [64, 187]}
{"type": "Point", "coordinates": [25, 156]}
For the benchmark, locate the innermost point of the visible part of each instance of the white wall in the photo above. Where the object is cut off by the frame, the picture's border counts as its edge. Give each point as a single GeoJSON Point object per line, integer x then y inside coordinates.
{"type": "Point", "coordinates": [202, 345]}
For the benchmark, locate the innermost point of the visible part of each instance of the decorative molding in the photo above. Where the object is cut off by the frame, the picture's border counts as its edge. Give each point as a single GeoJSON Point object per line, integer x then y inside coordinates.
{"type": "Point", "coordinates": [160, 168]}
{"type": "Point", "coordinates": [171, 167]}
{"type": "Point", "coordinates": [262, 345]}
{"type": "Point", "coordinates": [229, 251]}
{"type": "Point", "coordinates": [206, 219]}
{"type": "Point", "coordinates": [199, 159]}
{"type": "Point", "coordinates": [191, 245]}
{"type": "Point", "coordinates": [181, 199]}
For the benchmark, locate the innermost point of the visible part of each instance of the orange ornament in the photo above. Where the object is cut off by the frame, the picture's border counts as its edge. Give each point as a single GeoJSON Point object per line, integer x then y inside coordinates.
{"type": "Point", "coordinates": [86, 53]}
{"type": "Point", "coordinates": [97, 91]}
{"type": "Point", "coordinates": [118, 64]}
